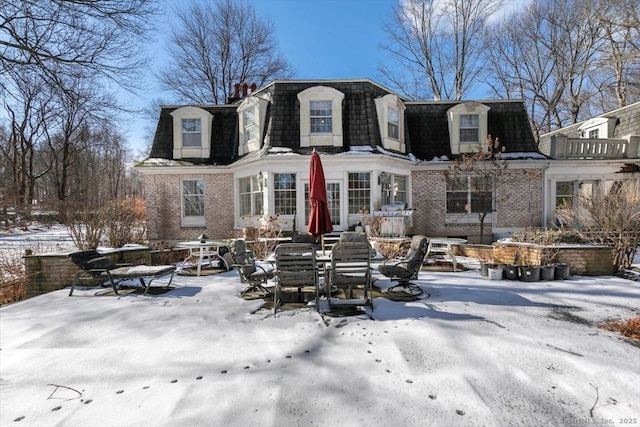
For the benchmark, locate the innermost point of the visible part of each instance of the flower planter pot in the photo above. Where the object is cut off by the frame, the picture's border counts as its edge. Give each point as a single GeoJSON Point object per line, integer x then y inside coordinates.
{"type": "Point", "coordinates": [530, 273]}
{"type": "Point", "coordinates": [547, 272]}
{"type": "Point", "coordinates": [494, 273]}
{"type": "Point", "coordinates": [511, 272]}
{"type": "Point", "coordinates": [562, 271]}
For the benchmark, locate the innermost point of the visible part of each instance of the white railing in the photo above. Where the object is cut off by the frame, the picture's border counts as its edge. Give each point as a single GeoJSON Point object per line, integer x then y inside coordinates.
{"type": "Point", "coordinates": [563, 147]}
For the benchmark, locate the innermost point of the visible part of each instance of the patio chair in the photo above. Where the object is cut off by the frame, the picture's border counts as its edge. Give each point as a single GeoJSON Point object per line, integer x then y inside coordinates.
{"type": "Point", "coordinates": [350, 268]}
{"type": "Point", "coordinates": [407, 268]}
{"type": "Point", "coordinates": [96, 266]}
{"type": "Point", "coordinates": [254, 275]}
{"type": "Point", "coordinates": [296, 267]}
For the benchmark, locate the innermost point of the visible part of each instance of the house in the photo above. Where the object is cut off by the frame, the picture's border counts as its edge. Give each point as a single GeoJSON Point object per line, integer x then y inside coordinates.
{"type": "Point", "coordinates": [590, 154]}
{"type": "Point", "coordinates": [216, 169]}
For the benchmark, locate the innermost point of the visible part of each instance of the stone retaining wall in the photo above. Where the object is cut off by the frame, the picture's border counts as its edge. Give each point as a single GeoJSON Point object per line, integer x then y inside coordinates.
{"type": "Point", "coordinates": [585, 260]}
{"type": "Point", "coordinates": [50, 272]}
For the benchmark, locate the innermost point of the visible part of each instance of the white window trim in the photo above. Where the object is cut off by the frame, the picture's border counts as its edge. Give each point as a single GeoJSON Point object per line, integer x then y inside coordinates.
{"type": "Point", "coordinates": [453, 115]}
{"type": "Point", "coordinates": [190, 221]}
{"type": "Point", "coordinates": [382, 109]}
{"type": "Point", "coordinates": [605, 126]}
{"type": "Point", "coordinates": [206, 120]}
{"type": "Point", "coordinates": [259, 106]}
{"type": "Point", "coordinates": [321, 93]}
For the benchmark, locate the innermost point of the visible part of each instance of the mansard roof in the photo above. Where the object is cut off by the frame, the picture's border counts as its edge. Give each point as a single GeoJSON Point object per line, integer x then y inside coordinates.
{"type": "Point", "coordinates": [426, 123]}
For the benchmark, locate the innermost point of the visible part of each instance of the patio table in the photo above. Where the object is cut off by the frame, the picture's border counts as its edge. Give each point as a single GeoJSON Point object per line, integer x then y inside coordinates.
{"type": "Point", "coordinates": [199, 250]}
{"type": "Point", "coordinates": [443, 245]}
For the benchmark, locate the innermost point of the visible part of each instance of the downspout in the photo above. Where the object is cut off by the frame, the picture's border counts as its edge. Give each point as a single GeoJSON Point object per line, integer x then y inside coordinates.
{"type": "Point", "coordinates": [544, 195]}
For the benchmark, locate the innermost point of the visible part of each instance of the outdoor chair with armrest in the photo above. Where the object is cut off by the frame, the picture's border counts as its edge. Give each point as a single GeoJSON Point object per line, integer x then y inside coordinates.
{"type": "Point", "coordinates": [350, 268]}
{"type": "Point", "coordinates": [296, 267]}
{"type": "Point", "coordinates": [254, 275]}
{"type": "Point", "coordinates": [97, 266]}
{"type": "Point", "coordinates": [406, 269]}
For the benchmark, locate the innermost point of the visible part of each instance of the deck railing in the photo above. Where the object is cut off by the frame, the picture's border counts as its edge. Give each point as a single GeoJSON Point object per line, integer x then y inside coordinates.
{"type": "Point", "coordinates": [563, 147]}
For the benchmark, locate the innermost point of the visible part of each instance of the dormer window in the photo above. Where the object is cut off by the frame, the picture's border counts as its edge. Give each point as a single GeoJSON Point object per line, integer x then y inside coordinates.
{"type": "Point", "coordinates": [599, 127]}
{"type": "Point", "coordinates": [390, 111]}
{"type": "Point", "coordinates": [467, 127]}
{"type": "Point", "coordinates": [191, 133]}
{"type": "Point", "coordinates": [251, 112]}
{"type": "Point", "coordinates": [321, 117]}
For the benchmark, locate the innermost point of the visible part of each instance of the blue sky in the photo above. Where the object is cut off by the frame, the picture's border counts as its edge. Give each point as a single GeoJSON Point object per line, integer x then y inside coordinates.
{"type": "Point", "coordinates": [329, 39]}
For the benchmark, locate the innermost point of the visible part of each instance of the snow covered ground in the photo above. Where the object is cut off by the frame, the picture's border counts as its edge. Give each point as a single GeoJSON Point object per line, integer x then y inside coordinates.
{"type": "Point", "coordinates": [472, 352]}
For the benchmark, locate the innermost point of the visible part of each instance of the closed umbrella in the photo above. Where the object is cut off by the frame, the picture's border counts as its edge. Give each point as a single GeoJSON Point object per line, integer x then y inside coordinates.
{"type": "Point", "coordinates": [319, 217]}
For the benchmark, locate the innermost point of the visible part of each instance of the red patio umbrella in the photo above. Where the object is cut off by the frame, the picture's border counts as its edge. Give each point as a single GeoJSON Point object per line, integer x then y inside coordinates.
{"type": "Point", "coordinates": [319, 217]}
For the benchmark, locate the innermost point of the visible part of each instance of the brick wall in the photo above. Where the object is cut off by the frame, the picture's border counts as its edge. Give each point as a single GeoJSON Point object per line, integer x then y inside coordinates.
{"type": "Point", "coordinates": [50, 272]}
{"type": "Point", "coordinates": [518, 204]}
{"type": "Point", "coordinates": [583, 260]}
{"type": "Point", "coordinates": [162, 193]}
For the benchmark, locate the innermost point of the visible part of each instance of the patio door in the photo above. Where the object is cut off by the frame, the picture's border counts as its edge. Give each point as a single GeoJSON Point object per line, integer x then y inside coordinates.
{"type": "Point", "coordinates": [333, 203]}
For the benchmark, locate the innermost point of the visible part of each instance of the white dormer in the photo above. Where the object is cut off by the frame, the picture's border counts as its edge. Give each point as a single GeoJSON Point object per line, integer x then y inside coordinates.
{"type": "Point", "coordinates": [321, 117]}
{"type": "Point", "coordinates": [468, 127]}
{"type": "Point", "coordinates": [191, 133]}
{"type": "Point", "coordinates": [390, 111]}
{"type": "Point", "coordinates": [252, 112]}
{"type": "Point", "coordinates": [599, 127]}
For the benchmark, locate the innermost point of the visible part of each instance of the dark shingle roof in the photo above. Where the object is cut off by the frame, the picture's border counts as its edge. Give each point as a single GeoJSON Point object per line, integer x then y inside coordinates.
{"type": "Point", "coordinates": [427, 131]}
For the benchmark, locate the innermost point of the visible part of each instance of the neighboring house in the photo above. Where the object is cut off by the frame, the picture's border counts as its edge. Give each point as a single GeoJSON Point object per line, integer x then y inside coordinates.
{"type": "Point", "coordinates": [587, 155]}
{"type": "Point", "coordinates": [216, 169]}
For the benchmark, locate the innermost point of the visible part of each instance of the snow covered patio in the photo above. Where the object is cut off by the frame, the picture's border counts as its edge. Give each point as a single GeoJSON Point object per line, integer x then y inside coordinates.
{"type": "Point", "coordinates": [473, 352]}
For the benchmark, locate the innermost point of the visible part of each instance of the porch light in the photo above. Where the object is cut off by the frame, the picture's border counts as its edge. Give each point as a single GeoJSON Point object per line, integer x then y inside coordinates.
{"type": "Point", "coordinates": [383, 178]}
{"type": "Point", "coordinates": [260, 178]}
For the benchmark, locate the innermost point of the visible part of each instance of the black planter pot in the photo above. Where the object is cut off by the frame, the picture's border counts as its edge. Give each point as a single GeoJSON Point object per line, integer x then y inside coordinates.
{"type": "Point", "coordinates": [530, 273]}
{"type": "Point", "coordinates": [562, 271]}
{"type": "Point", "coordinates": [547, 272]}
{"type": "Point", "coordinates": [511, 272]}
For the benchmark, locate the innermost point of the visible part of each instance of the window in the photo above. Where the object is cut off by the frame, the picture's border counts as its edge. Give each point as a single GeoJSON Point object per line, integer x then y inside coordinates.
{"type": "Point", "coordinates": [250, 195]}
{"type": "Point", "coordinates": [564, 194]}
{"type": "Point", "coordinates": [192, 203]}
{"type": "Point", "coordinates": [333, 202]}
{"type": "Point", "coordinates": [470, 195]}
{"type": "Point", "coordinates": [469, 128]}
{"type": "Point", "coordinates": [251, 117]}
{"type": "Point", "coordinates": [593, 134]}
{"type": "Point", "coordinates": [250, 131]}
{"type": "Point", "coordinates": [393, 125]}
{"type": "Point", "coordinates": [394, 189]}
{"type": "Point", "coordinates": [320, 117]}
{"type": "Point", "coordinates": [390, 111]}
{"type": "Point", "coordinates": [359, 192]}
{"type": "Point", "coordinates": [284, 188]}
{"type": "Point", "coordinates": [191, 133]}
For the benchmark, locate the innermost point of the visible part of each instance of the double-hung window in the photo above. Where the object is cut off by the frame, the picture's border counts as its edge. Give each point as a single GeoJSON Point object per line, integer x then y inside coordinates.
{"type": "Point", "coordinates": [192, 203]}
{"type": "Point", "coordinates": [469, 128]}
{"type": "Point", "coordinates": [393, 123]}
{"type": "Point", "coordinates": [470, 194]}
{"type": "Point", "coordinates": [250, 125]}
{"type": "Point", "coordinates": [394, 189]}
{"type": "Point", "coordinates": [565, 194]}
{"type": "Point", "coordinates": [359, 192]}
{"type": "Point", "coordinates": [250, 196]}
{"type": "Point", "coordinates": [284, 193]}
{"type": "Point", "coordinates": [191, 133]}
{"type": "Point", "coordinates": [321, 117]}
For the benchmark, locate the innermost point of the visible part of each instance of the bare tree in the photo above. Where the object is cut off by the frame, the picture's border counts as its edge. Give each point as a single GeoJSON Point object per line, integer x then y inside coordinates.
{"type": "Point", "coordinates": [61, 38]}
{"type": "Point", "coordinates": [437, 41]}
{"type": "Point", "coordinates": [216, 45]}
{"type": "Point", "coordinates": [610, 218]}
